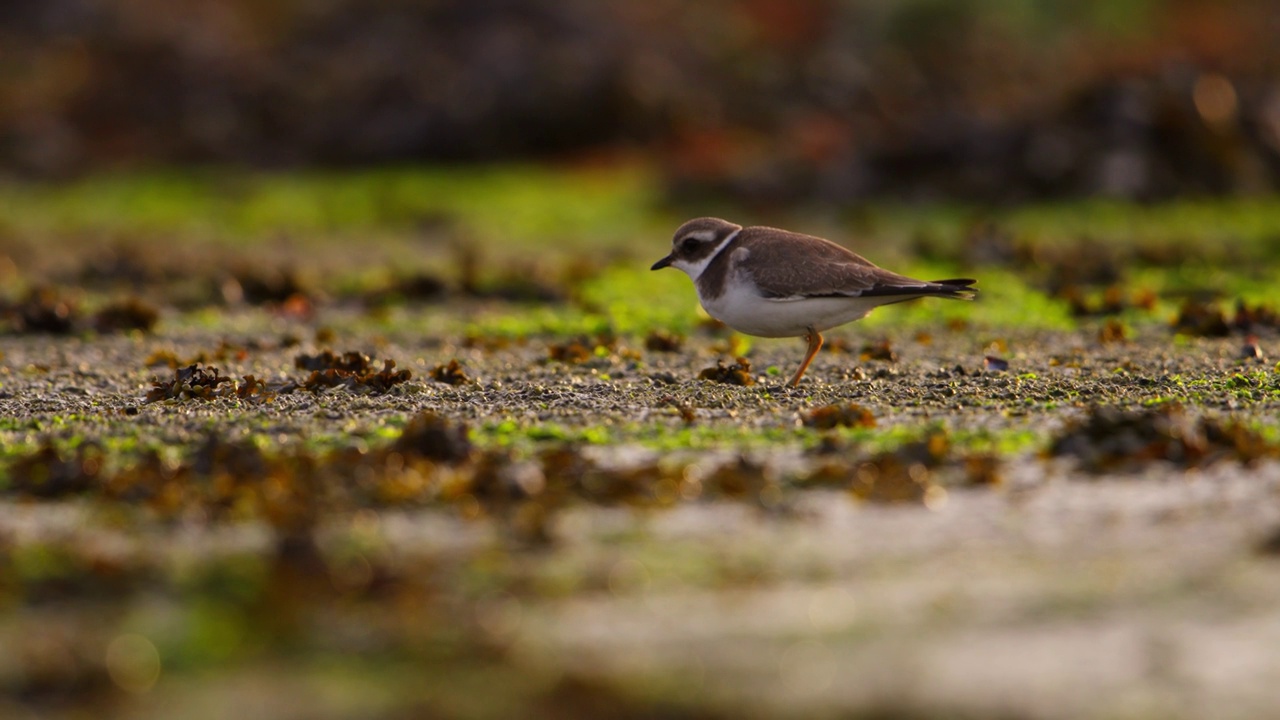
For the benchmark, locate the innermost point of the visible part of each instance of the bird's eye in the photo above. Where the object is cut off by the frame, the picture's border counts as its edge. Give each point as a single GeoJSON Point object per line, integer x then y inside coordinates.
{"type": "Point", "coordinates": [688, 244]}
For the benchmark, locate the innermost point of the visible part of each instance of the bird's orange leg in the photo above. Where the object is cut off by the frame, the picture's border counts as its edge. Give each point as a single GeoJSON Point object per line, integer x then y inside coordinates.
{"type": "Point", "coordinates": [815, 344]}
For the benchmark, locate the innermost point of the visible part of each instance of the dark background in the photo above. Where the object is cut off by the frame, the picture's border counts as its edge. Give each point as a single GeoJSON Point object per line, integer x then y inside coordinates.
{"type": "Point", "coordinates": [757, 99]}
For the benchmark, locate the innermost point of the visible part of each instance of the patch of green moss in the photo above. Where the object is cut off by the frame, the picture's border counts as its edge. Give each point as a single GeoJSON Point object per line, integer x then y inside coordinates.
{"type": "Point", "coordinates": [507, 204]}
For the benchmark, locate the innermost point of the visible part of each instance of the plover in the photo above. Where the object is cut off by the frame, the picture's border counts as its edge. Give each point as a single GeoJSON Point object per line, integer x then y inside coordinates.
{"type": "Point", "coordinates": [775, 283]}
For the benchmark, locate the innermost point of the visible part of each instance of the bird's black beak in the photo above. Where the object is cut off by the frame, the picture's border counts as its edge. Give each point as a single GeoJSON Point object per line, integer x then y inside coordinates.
{"type": "Point", "coordinates": [664, 262]}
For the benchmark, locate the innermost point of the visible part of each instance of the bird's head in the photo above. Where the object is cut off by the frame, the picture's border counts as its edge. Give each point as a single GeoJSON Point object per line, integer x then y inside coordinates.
{"type": "Point", "coordinates": [695, 243]}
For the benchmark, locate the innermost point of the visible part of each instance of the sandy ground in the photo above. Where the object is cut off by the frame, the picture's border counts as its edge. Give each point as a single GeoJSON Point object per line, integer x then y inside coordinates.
{"type": "Point", "coordinates": [1056, 594]}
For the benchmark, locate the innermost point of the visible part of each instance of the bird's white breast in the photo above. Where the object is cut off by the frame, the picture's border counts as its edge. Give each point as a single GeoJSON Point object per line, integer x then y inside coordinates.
{"type": "Point", "coordinates": [743, 308]}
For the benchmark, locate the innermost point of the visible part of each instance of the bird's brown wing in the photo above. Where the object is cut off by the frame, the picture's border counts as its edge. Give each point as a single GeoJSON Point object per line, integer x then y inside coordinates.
{"type": "Point", "coordinates": [790, 265]}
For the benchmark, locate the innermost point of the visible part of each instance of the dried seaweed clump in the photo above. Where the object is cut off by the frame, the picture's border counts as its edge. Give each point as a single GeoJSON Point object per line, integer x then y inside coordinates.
{"type": "Point", "coordinates": [881, 350]}
{"type": "Point", "coordinates": [1113, 331]}
{"type": "Point", "coordinates": [1209, 320]}
{"type": "Point", "coordinates": [351, 370]}
{"type": "Point", "coordinates": [1113, 439]}
{"type": "Point", "coordinates": [906, 475]}
{"type": "Point", "coordinates": [44, 310]}
{"type": "Point", "coordinates": [837, 415]}
{"type": "Point", "coordinates": [581, 349]}
{"type": "Point", "coordinates": [661, 341]}
{"type": "Point", "coordinates": [351, 361]}
{"type": "Point", "coordinates": [50, 472]}
{"type": "Point", "coordinates": [569, 471]}
{"type": "Point", "coordinates": [1201, 319]}
{"type": "Point", "coordinates": [490, 343]}
{"type": "Point", "coordinates": [1114, 301]}
{"type": "Point", "coordinates": [887, 479]}
{"type": "Point", "coordinates": [49, 310]}
{"type": "Point", "coordinates": [1256, 318]}
{"type": "Point", "coordinates": [685, 409]}
{"type": "Point", "coordinates": [432, 437]}
{"type": "Point", "coordinates": [225, 351]}
{"type": "Point", "coordinates": [253, 388]}
{"type": "Point", "coordinates": [194, 382]}
{"type": "Point", "coordinates": [450, 374]}
{"type": "Point", "coordinates": [128, 314]}
{"type": "Point", "coordinates": [225, 479]}
{"type": "Point", "coordinates": [265, 286]}
{"type": "Point", "coordinates": [514, 493]}
{"type": "Point", "coordinates": [230, 479]}
{"type": "Point", "coordinates": [418, 287]}
{"type": "Point", "coordinates": [367, 382]}
{"type": "Point", "coordinates": [917, 473]}
{"type": "Point", "coordinates": [206, 383]}
{"type": "Point", "coordinates": [739, 373]}
{"type": "Point", "coordinates": [744, 479]}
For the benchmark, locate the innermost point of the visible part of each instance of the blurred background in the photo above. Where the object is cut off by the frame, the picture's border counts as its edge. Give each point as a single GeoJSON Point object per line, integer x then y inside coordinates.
{"type": "Point", "coordinates": [754, 100]}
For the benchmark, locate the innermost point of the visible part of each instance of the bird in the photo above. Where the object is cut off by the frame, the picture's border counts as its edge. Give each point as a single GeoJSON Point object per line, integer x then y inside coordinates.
{"type": "Point", "coordinates": [774, 283]}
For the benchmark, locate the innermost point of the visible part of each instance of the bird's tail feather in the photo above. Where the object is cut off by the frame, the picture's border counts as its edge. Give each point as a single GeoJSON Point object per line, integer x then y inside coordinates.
{"type": "Point", "coordinates": [957, 288]}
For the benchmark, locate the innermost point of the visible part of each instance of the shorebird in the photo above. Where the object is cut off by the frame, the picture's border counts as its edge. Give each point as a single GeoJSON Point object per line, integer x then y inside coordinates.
{"type": "Point", "coordinates": [772, 283]}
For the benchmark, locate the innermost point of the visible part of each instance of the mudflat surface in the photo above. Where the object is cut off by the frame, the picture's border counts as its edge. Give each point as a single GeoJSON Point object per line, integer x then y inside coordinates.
{"type": "Point", "coordinates": [620, 535]}
{"type": "Point", "coordinates": [436, 443]}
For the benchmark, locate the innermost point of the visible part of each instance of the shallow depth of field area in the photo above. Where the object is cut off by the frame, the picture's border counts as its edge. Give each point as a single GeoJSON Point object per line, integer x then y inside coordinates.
{"type": "Point", "coordinates": [387, 417]}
